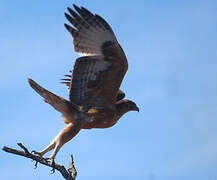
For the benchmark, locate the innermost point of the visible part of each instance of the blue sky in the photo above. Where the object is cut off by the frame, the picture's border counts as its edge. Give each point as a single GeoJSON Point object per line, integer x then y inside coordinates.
{"type": "Point", "coordinates": [171, 47]}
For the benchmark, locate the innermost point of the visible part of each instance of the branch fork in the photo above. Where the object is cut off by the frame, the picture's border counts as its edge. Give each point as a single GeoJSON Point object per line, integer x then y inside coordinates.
{"type": "Point", "coordinates": [69, 174]}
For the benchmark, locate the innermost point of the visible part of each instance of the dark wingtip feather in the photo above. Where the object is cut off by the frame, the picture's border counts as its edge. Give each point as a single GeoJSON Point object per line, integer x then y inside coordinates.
{"type": "Point", "coordinates": [65, 14]}
{"type": "Point", "coordinates": [67, 27]}
{"type": "Point", "coordinates": [73, 13]}
{"type": "Point", "coordinates": [76, 7]}
{"type": "Point", "coordinates": [69, 9]}
{"type": "Point", "coordinates": [70, 29]}
{"type": "Point", "coordinates": [68, 17]}
{"type": "Point", "coordinates": [86, 11]}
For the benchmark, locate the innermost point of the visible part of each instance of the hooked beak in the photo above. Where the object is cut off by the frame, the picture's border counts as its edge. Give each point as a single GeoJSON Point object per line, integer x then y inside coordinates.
{"type": "Point", "coordinates": [136, 109]}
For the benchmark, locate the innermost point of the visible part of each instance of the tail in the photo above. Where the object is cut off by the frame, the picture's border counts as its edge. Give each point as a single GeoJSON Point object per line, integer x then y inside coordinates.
{"type": "Point", "coordinates": [57, 102]}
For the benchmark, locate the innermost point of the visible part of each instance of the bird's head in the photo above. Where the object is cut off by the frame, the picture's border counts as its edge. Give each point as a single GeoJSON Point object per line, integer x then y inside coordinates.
{"type": "Point", "coordinates": [127, 105]}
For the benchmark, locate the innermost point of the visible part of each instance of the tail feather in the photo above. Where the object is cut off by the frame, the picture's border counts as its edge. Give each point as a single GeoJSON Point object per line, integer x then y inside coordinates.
{"type": "Point", "coordinates": [57, 102]}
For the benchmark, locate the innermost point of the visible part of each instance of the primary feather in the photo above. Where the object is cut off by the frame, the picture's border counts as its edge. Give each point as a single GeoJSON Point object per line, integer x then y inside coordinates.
{"type": "Point", "coordinates": [90, 31]}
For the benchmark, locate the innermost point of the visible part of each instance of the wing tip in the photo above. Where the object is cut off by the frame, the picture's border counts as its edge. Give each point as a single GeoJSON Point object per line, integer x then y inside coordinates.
{"type": "Point", "coordinates": [66, 14]}
{"type": "Point", "coordinates": [72, 12]}
{"type": "Point", "coordinates": [69, 28]}
{"type": "Point", "coordinates": [68, 17]}
{"type": "Point", "coordinates": [69, 9]}
{"type": "Point", "coordinates": [76, 7]}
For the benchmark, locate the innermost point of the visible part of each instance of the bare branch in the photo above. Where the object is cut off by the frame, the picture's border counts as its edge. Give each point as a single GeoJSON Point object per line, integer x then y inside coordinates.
{"type": "Point", "coordinates": [69, 174]}
{"type": "Point", "coordinates": [72, 169]}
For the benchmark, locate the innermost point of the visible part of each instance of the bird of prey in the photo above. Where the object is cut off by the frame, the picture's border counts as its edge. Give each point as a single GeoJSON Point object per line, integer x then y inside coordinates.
{"type": "Point", "coordinates": [95, 100]}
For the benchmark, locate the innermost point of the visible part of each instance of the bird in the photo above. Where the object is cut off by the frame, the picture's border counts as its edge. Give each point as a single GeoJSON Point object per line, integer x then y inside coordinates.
{"type": "Point", "coordinates": [95, 99]}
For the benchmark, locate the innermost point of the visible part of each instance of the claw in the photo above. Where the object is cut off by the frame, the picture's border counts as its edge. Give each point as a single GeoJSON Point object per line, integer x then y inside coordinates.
{"type": "Point", "coordinates": [38, 154]}
{"type": "Point", "coordinates": [52, 171]}
{"type": "Point", "coordinates": [36, 165]}
{"type": "Point", "coordinates": [52, 163]}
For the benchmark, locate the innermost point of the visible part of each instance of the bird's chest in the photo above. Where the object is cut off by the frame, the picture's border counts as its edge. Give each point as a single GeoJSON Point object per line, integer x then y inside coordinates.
{"type": "Point", "coordinates": [100, 118]}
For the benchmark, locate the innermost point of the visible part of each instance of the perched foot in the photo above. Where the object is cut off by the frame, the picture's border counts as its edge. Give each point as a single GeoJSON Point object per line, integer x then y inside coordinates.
{"type": "Point", "coordinates": [52, 163]}
{"type": "Point", "coordinates": [38, 154]}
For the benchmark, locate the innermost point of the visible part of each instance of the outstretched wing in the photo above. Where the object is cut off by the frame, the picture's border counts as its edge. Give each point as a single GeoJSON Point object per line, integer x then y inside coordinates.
{"type": "Point", "coordinates": [96, 77]}
{"type": "Point", "coordinates": [90, 31]}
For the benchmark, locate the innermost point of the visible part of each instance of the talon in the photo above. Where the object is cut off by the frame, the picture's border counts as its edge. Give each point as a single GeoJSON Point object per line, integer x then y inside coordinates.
{"type": "Point", "coordinates": [52, 163]}
{"type": "Point", "coordinates": [36, 164]}
{"type": "Point", "coordinates": [52, 171]}
{"type": "Point", "coordinates": [39, 155]}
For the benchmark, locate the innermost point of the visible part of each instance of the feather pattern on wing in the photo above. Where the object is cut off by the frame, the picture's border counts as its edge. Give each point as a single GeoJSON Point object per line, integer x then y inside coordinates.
{"type": "Point", "coordinates": [96, 77]}
{"type": "Point", "coordinates": [90, 32]}
{"type": "Point", "coordinates": [87, 72]}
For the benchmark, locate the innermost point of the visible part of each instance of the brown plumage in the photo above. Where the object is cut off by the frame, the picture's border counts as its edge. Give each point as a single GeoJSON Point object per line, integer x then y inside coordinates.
{"type": "Point", "coordinates": [95, 100]}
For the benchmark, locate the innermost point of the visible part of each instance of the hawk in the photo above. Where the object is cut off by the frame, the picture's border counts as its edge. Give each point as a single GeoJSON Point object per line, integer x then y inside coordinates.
{"type": "Point", "coordinates": [95, 100]}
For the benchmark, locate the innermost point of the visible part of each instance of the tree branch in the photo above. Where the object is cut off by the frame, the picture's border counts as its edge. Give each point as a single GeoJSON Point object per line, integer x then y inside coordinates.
{"type": "Point", "coordinates": [69, 174]}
